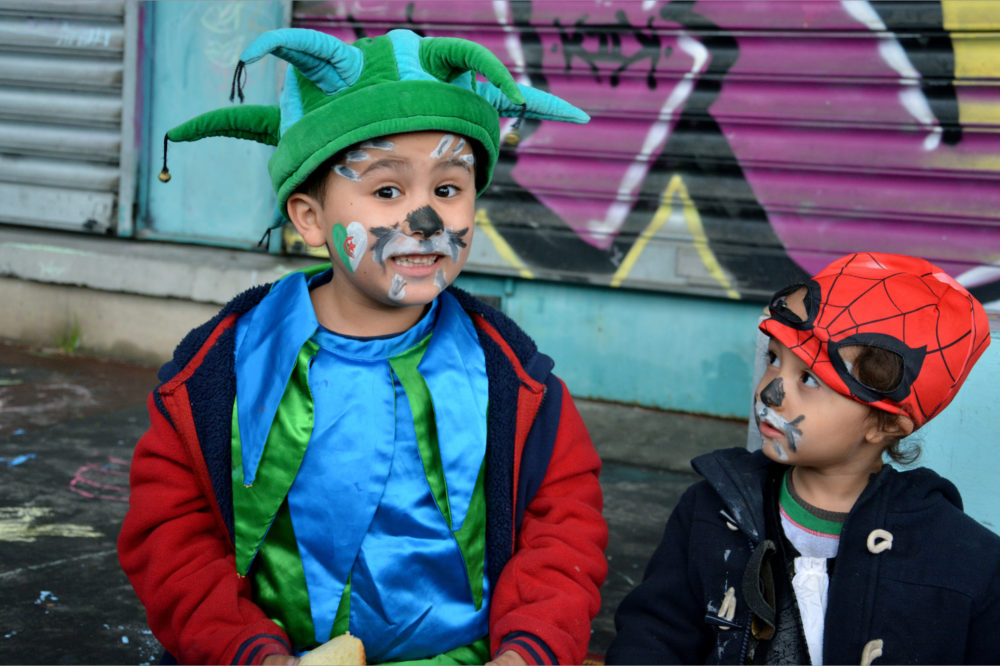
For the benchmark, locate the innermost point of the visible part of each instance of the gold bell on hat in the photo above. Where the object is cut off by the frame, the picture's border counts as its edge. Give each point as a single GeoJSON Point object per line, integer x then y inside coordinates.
{"type": "Point", "coordinates": [164, 172]}
{"type": "Point", "coordinates": [514, 136]}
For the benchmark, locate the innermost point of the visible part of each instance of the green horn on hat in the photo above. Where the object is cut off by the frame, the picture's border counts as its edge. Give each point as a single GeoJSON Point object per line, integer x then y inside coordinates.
{"type": "Point", "coordinates": [252, 122]}
{"type": "Point", "coordinates": [447, 58]}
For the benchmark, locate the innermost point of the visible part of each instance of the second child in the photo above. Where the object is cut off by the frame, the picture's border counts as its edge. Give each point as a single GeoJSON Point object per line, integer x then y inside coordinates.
{"type": "Point", "coordinates": [813, 550]}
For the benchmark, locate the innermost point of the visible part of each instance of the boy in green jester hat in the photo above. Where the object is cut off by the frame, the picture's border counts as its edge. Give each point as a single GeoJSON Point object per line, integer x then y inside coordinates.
{"type": "Point", "coordinates": [361, 447]}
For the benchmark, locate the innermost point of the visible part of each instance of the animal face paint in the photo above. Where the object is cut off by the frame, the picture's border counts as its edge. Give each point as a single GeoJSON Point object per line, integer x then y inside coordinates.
{"type": "Point", "coordinates": [397, 291]}
{"type": "Point", "coordinates": [418, 250]}
{"type": "Point", "coordinates": [793, 435]}
{"type": "Point", "coordinates": [774, 393]}
{"type": "Point", "coordinates": [391, 241]}
{"type": "Point", "coordinates": [424, 221]}
{"type": "Point", "coordinates": [441, 280]}
{"type": "Point", "coordinates": [401, 216]}
{"type": "Point", "coordinates": [802, 420]}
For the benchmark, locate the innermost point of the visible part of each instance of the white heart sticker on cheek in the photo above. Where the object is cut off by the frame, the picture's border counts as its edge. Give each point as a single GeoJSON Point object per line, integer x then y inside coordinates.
{"type": "Point", "coordinates": [357, 235]}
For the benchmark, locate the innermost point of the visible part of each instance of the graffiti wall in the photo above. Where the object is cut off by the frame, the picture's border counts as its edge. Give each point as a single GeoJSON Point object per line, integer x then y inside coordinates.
{"type": "Point", "coordinates": [734, 144]}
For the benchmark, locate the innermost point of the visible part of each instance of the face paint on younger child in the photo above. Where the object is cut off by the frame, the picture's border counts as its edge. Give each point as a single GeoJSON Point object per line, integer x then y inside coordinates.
{"type": "Point", "coordinates": [803, 421]}
{"type": "Point", "coordinates": [774, 393]}
{"type": "Point", "coordinates": [793, 435]}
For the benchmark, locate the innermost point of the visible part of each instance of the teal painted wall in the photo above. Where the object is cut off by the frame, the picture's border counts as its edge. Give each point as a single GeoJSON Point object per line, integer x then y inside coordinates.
{"type": "Point", "coordinates": [219, 192]}
{"type": "Point", "coordinates": [962, 443]}
{"type": "Point", "coordinates": [658, 350]}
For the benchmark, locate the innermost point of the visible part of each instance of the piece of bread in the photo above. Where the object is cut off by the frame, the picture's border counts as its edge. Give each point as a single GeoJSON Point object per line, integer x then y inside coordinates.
{"type": "Point", "coordinates": [344, 650]}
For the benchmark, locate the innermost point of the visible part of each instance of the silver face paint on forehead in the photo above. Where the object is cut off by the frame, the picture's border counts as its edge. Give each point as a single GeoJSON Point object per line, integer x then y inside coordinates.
{"type": "Point", "coordinates": [356, 156]}
{"type": "Point", "coordinates": [458, 147]}
{"type": "Point", "coordinates": [397, 290]}
{"type": "Point", "coordinates": [443, 146]}
{"type": "Point", "coordinates": [347, 172]}
{"type": "Point", "coordinates": [793, 435]}
{"type": "Point", "coordinates": [377, 144]}
{"type": "Point", "coordinates": [468, 158]}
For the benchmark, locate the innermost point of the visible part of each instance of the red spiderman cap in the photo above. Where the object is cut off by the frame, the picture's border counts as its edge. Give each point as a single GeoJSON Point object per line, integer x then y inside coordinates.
{"type": "Point", "coordinates": [902, 304]}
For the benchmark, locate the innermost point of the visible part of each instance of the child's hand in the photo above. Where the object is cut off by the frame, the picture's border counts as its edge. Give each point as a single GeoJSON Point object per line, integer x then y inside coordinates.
{"type": "Point", "coordinates": [280, 660]}
{"type": "Point", "coordinates": [507, 658]}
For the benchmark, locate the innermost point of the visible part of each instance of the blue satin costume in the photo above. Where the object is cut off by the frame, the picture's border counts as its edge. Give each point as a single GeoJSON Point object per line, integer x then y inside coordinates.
{"type": "Point", "coordinates": [337, 443]}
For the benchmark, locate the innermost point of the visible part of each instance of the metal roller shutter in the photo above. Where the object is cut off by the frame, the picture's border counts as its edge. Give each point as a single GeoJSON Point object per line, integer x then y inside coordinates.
{"type": "Point", "coordinates": [734, 145]}
{"type": "Point", "coordinates": [66, 97]}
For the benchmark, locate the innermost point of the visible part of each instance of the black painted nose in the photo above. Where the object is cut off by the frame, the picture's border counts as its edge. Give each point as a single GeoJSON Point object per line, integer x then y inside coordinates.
{"type": "Point", "coordinates": [773, 394]}
{"type": "Point", "coordinates": [424, 221]}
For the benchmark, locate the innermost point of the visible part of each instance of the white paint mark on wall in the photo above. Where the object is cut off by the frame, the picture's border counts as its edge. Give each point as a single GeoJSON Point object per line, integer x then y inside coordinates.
{"type": "Point", "coordinates": [656, 137]}
{"type": "Point", "coordinates": [51, 269]}
{"type": "Point", "coordinates": [70, 35]}
{"type": "Point", "coordinates": [911, 96]}
{"type": "Point", "coordinates": [512, 40]}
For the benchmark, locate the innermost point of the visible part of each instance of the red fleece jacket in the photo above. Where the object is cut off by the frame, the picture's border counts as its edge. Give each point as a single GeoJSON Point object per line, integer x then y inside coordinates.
{"type": "Point", "coordinates": [176, 546]}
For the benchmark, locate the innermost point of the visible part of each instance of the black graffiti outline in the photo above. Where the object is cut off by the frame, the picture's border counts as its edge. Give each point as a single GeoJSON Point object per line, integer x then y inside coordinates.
{"type": "Point", "coordinates": [609, 46]}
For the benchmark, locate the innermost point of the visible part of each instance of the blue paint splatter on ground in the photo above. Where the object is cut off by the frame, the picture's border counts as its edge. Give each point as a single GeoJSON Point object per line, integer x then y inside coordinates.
{"type": "Point", "coordinates": [18, 460]}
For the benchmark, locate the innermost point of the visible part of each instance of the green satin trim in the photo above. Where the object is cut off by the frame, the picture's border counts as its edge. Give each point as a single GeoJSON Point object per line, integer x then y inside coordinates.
{"type": "Point", "coordinates": [419, 396]}
{"type": "Point", "coordinates": [342, 622]}
{"type": "Point", "coordinates": [279, 583]}
{"type": "Point", "coordinates": [474, 653]}
{"type": "Point", "coordinates": [471, 538]}
{"type": "Point", "coordinates": [255, 506]}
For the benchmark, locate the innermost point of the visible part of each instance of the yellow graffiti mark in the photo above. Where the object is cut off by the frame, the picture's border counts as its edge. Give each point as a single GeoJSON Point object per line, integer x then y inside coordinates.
{"type": "Point", "coordinates": [973, 25]}
{"type": "Point", "coordinates": [676, 193]}
{"type": "Point", "coordinates": [975, 55]}
{"type": "Point", "coordinates": [17, 524]}
{"type": "Point", "coordinates": [978, 113]}
{"type": "Point", "coordinates": [502, 247]}
{"type": "Point", "coordinates": [962, 15]}
{"type": "Point", "coordinates": [972, 163]}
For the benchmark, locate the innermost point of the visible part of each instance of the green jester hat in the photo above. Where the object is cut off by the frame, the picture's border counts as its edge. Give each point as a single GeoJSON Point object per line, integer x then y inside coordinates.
{"type": "Point", "coordinates": [338, 94]}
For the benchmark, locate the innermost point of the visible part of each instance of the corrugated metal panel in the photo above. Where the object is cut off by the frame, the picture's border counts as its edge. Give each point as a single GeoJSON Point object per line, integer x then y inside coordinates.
{"type": "Point", "coordinates": [735, 144]}
{"type": "Point", "coordinates": [61, 113]}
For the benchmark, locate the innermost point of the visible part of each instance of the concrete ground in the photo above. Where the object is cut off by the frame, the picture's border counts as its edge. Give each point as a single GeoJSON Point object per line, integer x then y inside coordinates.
{"type": "Point", "coordinates": [67, 428]}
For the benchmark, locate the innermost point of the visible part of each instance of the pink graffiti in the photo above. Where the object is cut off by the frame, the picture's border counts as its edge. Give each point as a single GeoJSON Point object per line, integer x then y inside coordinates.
{"type": "Point", "coordinates": [103, 481]}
